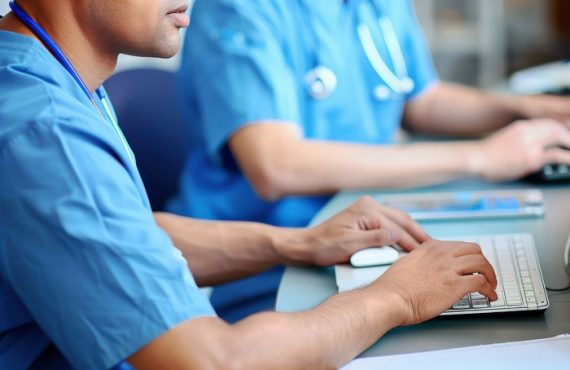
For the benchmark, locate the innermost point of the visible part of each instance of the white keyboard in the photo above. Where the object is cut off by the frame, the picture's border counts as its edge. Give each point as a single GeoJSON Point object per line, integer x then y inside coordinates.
{"type": "Point", "coordinates": [514, 259]}
{"type": "Point", "coordinates": [520, 284]}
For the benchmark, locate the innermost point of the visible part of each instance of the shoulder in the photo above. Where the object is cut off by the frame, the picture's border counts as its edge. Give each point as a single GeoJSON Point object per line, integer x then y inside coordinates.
{"type": "Point", "coordinates": [35, 89]}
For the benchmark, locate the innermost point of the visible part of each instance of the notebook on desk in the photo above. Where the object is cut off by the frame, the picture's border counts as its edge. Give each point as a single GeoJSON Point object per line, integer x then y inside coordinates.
{"type": "Point", "coordinates": [520, 286]}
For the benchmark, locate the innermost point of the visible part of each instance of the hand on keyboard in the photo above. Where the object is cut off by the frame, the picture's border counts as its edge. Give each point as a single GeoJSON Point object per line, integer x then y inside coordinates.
{"type": "Point", "coordinates": [521, 149]}
{"type": "Point", "coordinates": [435, 276]}
{"type": "Point", "coordinates": [515, 265]}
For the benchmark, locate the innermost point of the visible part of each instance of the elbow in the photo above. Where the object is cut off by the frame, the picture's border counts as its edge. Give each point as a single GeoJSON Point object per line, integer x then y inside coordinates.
{"type": "Point", "coordinates": [274, 177]}
{"type": "Point", "coordinates": [270, 184]}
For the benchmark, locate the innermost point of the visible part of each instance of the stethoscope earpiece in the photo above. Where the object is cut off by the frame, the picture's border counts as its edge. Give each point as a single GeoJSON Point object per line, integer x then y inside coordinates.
{"type": "Point", "coordinates": [321, 82]}
{"type": "Point", "coordinates": [408, 85]}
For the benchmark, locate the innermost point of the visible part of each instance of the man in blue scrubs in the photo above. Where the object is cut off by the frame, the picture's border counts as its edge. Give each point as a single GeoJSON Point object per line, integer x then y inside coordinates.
{"type": "Point", "coordinates": [89, 277]}
{"type": "Point", "coordinates": [296, 99]}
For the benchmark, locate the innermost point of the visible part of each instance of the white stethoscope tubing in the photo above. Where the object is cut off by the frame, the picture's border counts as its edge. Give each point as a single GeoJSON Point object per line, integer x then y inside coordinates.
{"type": "Point", "coordinates": [376, 60]}
{"type": "Point", "coordinates": [321, 81]}
{"type": "Point", "coordinates": [400, 83]}
{"type": "Point", "coordinates": [118, 131]}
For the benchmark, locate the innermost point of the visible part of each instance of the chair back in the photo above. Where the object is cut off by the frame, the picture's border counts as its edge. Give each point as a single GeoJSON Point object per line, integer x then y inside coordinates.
{"type": "Point", "coordinates": [146, 106]}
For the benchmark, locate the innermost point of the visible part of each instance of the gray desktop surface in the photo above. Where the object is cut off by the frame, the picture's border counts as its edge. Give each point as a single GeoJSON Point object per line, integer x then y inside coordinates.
{"type": "Point", "coordinates": [304, 287]}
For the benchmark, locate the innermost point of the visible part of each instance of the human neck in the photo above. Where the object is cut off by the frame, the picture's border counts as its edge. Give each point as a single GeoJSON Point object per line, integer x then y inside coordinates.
{"type": "Point", "coordinates": [93, 64]}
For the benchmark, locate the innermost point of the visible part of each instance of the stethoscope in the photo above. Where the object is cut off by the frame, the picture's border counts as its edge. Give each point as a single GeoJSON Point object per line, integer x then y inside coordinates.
{"type": "Point", "coordinates": [62, 59]}
{"type": "Point", "coordinates": [321, 81]}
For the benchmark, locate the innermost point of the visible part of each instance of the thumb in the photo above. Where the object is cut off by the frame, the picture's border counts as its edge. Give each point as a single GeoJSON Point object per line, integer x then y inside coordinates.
{"type": "Point", "coordinates": [375, 238]}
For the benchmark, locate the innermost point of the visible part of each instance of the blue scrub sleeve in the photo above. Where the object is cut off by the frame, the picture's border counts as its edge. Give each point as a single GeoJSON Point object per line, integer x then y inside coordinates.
{"type": "Point", "coordinates": [417, 53]}
{"type": "Point", "coordinates": [238, 69]}
{"type": "Point", "coordinates": [82, 251]}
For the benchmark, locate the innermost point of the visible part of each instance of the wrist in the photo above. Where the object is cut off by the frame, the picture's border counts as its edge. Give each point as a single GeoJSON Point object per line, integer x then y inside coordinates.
{"type": "Point", "coordinates": [292, 246]}
{"type": "Point", "coordinates": [391, 307]}
{"type": "Point", "coordinates": [513, 105]}
{"type": "Point", "coordinates": [475, 158]}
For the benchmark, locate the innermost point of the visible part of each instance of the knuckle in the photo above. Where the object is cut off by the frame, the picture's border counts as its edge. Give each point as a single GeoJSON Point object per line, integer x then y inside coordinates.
{"type": "Point", "coordinates": [520, 128]}
{"type": "Point", "coordinates": [399, 212]}
{"type": "Point", "coordinates": [381, 237]}
{"type": "Point", "coordinates": [476, 247]}
{"type": "Point", "coordinates": [480, 279]}
{"type": "Point", "coordinates": [365, 202]}
{"type": "Point", "coordinates": [557, 156]}
{"type": "Point", "coordinates": [533, 158]}
{"type": "Point", "coordinates": [367, 199]}
{"type": "Point", "coordinates": [406, 221]}
{"type": "Point", "coordinates": [482, 260]}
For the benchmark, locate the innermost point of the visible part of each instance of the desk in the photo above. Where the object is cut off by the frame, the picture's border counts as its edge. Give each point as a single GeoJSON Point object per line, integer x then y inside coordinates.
{"type": "Point", "coordinates": [304, 287]}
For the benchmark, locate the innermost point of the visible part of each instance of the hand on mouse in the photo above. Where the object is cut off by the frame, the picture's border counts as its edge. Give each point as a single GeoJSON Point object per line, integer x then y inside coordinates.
{"type": "Point", "coordinates": [364, 224]}
{"type": "Point", "coordinates": [436, 275]}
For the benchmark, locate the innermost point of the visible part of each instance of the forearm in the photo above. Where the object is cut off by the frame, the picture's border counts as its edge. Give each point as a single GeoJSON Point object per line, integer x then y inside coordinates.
{"type": "Point", "coordinates": [323, 338]}
{"type": "Point", "coordinates": [460, 111]}
{"type": "Point", "coordinates": [218, 252]}
{"type": "Point", "coordinates": [321, 167]}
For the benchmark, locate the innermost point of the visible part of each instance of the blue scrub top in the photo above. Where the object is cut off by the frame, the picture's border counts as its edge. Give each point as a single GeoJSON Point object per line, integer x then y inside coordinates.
{"type": "Point", "coordinates": [246, 60]}
{"type": "Point", "coordinates": [86, 276]}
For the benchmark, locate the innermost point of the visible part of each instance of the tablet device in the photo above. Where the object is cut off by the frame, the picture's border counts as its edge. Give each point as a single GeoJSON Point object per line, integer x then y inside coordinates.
{"type": "Point", "coordinates": [468, 204]}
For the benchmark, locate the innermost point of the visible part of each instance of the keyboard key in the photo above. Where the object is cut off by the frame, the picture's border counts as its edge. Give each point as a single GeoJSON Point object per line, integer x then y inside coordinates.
{"type": "Point", "coordinates": [480, 303]}
{"type": "Point", "coordinates": [548, 170]}
{"type": "Point", "coordinates": [514, 301]}
{"type": "Point", "coordinates": [462, 304]}
{"type": "Point", "coordinates": [498, 303]}
{"type": "Point", "coordinates": [475, 296]}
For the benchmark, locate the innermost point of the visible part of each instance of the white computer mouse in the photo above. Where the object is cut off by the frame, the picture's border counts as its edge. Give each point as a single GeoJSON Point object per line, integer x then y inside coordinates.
{"type": "Point", "coordinates": [374, 257]}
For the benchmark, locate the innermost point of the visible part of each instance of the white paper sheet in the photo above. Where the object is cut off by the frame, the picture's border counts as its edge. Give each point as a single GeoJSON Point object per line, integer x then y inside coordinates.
{"type": "Point", "coordinates": [548, 354]}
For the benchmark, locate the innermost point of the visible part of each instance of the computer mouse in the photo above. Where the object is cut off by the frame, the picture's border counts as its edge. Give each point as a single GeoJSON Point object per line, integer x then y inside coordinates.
{"type": "Point", "coordinates": [374, 257]}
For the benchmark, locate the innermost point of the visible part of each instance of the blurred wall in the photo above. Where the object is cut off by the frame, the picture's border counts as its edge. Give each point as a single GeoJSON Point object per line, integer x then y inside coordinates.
{"type": "Point", "coordinates": [480, 42]}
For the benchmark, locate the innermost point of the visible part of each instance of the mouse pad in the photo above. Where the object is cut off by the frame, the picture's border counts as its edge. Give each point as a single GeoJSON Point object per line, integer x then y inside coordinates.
{"type": "Point", "coordinates": [350, 278]}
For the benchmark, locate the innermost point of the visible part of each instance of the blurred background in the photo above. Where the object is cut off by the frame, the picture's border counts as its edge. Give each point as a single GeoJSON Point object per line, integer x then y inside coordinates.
{"type": "Point", "coordinates": [480, 42]}
{"type": "Point", "coordinates": [476, 42]}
